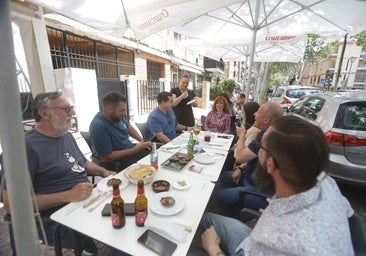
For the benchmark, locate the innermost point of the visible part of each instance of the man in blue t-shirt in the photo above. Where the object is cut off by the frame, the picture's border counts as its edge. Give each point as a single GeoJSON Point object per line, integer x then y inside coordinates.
{"type": "Point", "coordinates": [162, 121]}
{"type": "Point", "coordinates": [58, 169]}
{"type": "Point", "coordinates": [110, 134]}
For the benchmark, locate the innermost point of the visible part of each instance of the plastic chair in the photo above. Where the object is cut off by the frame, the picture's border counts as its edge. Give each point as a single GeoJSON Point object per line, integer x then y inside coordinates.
{"type": "Point", "coordinates": [143, 129]}
{"type": "Point", "coordinates": [114, 166]}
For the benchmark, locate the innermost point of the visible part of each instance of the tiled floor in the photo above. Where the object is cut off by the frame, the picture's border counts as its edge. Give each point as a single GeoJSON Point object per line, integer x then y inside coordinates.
{"type": "Point", "coordinates": [5, 249]}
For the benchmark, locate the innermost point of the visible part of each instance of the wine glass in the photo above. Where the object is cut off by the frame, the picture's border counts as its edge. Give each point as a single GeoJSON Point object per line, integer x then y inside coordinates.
{"type": "Point", "coordinates": [196, 131]}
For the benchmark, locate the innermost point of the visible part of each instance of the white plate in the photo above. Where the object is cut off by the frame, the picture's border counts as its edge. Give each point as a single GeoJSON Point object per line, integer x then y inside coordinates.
{"type": "Point", "coordinates": [191, 101]}
{"type": "Point", "coordinates": [204, 159]}
{"type": "Point", "coordinates": [102, 184]}
{"type": "Point", "coordinates": [178, 186]}
{"type": "Point", "coordinates": [156, 206]}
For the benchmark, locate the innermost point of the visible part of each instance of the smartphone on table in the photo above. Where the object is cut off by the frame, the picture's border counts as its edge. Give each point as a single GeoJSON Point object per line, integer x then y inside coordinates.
{"type": "Point", "coordinates": [157, 243]}
{"type": "Point", "coordinates": [129, 209]}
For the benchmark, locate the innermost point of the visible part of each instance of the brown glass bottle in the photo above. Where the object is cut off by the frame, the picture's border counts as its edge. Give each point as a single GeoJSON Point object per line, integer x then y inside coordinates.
{"type": "Point", "coordinates": [117, 207]}
{"type": "Point", "coordinates": [140, 205]}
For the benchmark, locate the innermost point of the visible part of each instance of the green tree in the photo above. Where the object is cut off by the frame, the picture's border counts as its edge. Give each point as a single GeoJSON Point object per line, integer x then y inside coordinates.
{"type": "Point", "coordinates": [217, 87]}
{"type": "Point", "coordinates": [361, 40]}
{"type": "Point", "coordinates": [282, 71]}
{"type": "Point", "coordinates": [318, 48]}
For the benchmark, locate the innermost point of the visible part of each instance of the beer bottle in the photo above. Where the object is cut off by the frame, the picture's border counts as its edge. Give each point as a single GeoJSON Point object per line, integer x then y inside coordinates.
{"type": "Point", "coordinates": [154, 157]}
{"type": "Point", "coordinates": [140, 205]}
{"type": "Point", "coordinates": [117, 206]}
{"type": "Point", "coordinates": [190, 145]}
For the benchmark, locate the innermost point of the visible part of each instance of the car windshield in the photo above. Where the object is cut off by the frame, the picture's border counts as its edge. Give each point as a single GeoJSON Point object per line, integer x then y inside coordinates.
{"type": "Point", "coordinates": [351, 116]}
{"type": "Point", "coordinates": [298, 93]}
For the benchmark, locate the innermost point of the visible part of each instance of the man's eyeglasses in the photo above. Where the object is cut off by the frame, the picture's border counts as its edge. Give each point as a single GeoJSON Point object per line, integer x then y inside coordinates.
{"type": "Point", "coordinates": [67, 109]}
{"type": "Point", "coordinates": [269, 153]}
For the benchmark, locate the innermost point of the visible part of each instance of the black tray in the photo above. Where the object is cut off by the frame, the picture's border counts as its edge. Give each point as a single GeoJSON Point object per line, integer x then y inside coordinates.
{"type": "Point", "coordinates": [176, 165]}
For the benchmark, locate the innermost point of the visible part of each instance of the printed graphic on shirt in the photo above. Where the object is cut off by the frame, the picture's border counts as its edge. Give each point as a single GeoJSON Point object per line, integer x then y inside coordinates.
{"type": "Point", "coordinates": [75, 164]}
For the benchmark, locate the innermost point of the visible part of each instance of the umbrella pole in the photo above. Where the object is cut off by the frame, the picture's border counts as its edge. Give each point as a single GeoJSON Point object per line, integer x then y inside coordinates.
{"type": "Point", "coordinates": [252, 50]}
{"type": "Point", "coordinates": [13, 143]}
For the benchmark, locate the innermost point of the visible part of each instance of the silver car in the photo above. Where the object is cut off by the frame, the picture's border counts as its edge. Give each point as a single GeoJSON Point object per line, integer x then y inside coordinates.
{"type": "Point", "coordinates": [342, 117]}
{"type": "Point", "coordinates": [285, 95]}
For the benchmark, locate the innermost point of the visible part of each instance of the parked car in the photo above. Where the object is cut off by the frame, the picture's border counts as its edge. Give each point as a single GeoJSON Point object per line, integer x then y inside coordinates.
{"type": "Point", "coordinates": [342, 117]}
{"type": "Point", "coordinates": [285, 95]}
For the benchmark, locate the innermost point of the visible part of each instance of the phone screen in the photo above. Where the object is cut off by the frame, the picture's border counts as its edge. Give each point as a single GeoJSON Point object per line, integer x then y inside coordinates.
{"type": "Point", "coordinates": [157, 243]}
{"type": "Point", "coordinates": [129, 209]}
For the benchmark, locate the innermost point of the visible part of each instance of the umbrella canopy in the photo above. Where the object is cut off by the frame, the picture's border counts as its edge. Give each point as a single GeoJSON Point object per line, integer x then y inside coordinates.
{"type": "Point", "coordinates": [142, 17]}
{"type": "Point", "coordinates": [284, 48]}
{"type": "Point", "coordinates": [276, 17]}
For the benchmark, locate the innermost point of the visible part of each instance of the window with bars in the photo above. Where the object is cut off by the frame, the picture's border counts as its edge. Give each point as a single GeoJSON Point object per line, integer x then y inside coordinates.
{"type": "Point", "coordinates": [71, 50]}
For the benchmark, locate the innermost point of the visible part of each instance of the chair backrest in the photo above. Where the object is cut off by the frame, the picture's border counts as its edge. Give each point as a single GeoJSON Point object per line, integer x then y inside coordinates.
{"type": "Point", "coordinates": [358, 234]}
{"type": "Point", "coordinates": [143, 129]}
{"type": "Point", "coordinates": [86, 136]}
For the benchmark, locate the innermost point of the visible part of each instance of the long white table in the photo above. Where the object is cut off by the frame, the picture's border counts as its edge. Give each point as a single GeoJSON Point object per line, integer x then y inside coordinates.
{"type": "Point", "coordinates": [196, 198]}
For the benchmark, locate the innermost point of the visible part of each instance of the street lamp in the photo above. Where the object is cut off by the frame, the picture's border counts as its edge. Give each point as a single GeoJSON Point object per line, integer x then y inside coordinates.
{"type": "Point", "coordinates": [351, 60]}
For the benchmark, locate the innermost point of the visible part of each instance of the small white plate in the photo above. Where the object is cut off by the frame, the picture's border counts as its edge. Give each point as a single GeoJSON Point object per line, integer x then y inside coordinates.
{"type": "Point", "coordinates": [102, 184]}
{"type": "Point", "coordinates": [181, 185]}
{"type": "Point", "coordinates": [191, 101]}
{"type": "Point", "coordinates": [156, 206]}
{"type": "Point", "coordinates": [204, 159]}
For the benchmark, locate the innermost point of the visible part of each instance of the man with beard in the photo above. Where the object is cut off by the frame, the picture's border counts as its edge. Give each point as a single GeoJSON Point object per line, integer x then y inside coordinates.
{"type": "Point", "coordinates": [58, 169]}
{"type": "Point", "coordinates": [110, 131]}
{"type": "Point", "coordinates": [227, 197]}
{"type": "Point", "coordinates": [307, 215]}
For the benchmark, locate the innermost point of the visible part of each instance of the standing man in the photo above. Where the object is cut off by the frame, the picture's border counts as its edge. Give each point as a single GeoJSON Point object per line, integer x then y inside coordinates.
{"type": "Point", "coordinates": [308, 214]}
{"type": "Point", "coordinates": [162, 121]}
{"type": "Point", "coordinates": [228, 199]}
{"type": "Point", "coordinates": [57, 167]}
{"type": "Point", "coordinates": [181, 97]}
{"type": "Point", "coordinates": [110, 131]}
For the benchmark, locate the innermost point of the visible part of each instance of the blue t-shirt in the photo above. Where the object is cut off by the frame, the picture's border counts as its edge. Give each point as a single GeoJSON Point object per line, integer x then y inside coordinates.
{"type": "Point", "coordinates": [252, 164]}
{"type": "Point", "coordinates": [107, 136]}
{"type": "Point", "coordinates": [159, 122]}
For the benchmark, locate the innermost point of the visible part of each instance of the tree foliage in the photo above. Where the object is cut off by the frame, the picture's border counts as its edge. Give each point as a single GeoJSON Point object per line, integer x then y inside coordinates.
{"type": "Point", "coordinates": [224, 85]}
{"type": "Point", "coordinates": [361, 40]}
{"type": "Point", "coordinates": [284, 72]}
{"type": "Point", "coordinates": [318, 48]}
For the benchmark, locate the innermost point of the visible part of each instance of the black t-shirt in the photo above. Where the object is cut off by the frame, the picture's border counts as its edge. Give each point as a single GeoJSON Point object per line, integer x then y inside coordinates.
{"type": "Point", "coordinates": [184, 112]}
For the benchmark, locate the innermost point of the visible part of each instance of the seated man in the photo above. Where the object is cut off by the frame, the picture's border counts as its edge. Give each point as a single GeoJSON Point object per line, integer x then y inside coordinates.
{"type": "Point", "coordinates": [57, 167]}
{"type": "Point", "coordinates": [110, 131]}
{"type": "Point", "coordinates": [307, 203]}
{"type": "Point", "coordinates": [162, 121]}
{"type": "Point", "coordinates": [231, 182]}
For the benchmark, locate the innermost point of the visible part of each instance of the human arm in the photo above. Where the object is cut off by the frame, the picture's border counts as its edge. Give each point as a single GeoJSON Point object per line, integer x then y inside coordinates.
{"type": "Point", "coordinates": [177, 100]}
{"type": "Point", "coordinates": [96, 170]}
{"type": "Point", "coordinates": [118, 154]}
{"type": "Point", "coordinates": [181, 127]}
{"type": "Point", "coordinates": [211, 242]}
{"type": "Point", "coordinates": [134, 134]}
{"type": "Point", "coordinates": [162, 137]}
{"type": "Point", "coordinates": [243, 154]}
{"type": "Point", "coordinates": [46, 201]}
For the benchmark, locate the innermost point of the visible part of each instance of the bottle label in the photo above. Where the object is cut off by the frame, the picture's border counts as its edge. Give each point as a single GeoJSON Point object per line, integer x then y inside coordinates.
{"type": "Point", "coordinates": [116, 220]}
{"type": "Point", "coordinates": [140, 217]}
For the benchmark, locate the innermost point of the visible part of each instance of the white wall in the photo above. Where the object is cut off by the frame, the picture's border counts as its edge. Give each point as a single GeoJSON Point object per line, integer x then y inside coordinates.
{"type": "Point", "coordinates": [80, 86]}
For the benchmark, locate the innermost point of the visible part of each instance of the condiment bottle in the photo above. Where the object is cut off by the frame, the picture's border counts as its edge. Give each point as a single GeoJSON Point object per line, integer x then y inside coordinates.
{"type": "Point", "coordinates": [190, 145]}
{"type": "Point", "coordinates": [154, 156]}
{"type": "Point", "coordinates": [140, 205]}
{"type": "Point", "coordinates": [117, 206]}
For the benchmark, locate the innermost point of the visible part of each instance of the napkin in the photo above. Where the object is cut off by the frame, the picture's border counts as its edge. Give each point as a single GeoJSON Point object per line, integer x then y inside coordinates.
{"type": "Point", "coordinates": [164, 227]}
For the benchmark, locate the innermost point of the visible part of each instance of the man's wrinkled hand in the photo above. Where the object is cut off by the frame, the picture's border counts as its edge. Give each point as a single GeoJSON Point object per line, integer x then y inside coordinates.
{"type": "Point", "coordinates": [80, 192]}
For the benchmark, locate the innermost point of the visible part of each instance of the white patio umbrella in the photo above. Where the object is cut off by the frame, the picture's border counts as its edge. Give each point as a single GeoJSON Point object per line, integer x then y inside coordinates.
{"type": "Point", "coordinates": [280, 48]}
{"type": "Point", "coordinates": [143, 17]}
{"type": "Point", "coordinates": [254, 18]}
